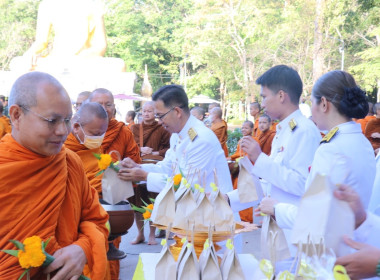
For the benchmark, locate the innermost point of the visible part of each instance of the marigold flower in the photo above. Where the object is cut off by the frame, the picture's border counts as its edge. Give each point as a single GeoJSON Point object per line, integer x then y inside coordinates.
{"type": "Point", "coordinates": [147, 215]}
{"type": "Point", "coordinates": [33, 256]}
{"type": "Point", "coordinates": [150, 206]}
{"type": "Point", "coordinates": [104, 161]}
{"type": "Point", "coordinates": [177, 179]}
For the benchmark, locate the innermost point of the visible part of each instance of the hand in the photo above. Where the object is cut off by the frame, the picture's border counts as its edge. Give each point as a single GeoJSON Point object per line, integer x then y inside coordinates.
{"type": "Point", "coordinates": [361, 264]}
{"type": "Point", "coordinates": [132, 174]}
{"type": "Point", "coordinates": [251, 147]}
{"type": "Point", "coordinates": [347, 194]}
{"type": "Point", "coordinates": [375, 135]}
{"type": "Point", "coordinates": [129, 163]}
{"type": "Point", "coordinates": [266, 206]}
{"type": "Point", "coordinates": [146, 150]}
{"type": "Point", "coordinates": [69, 262]}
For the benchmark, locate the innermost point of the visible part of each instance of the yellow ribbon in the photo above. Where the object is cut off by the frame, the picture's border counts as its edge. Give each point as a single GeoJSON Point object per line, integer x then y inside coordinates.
{"type": "Point", "coordinates": [229, 244]}
{"type": "Point", "coordinates": [201, 190]}
{"type": "Point", "coordinates": [306, 271]}
{"type": "Point", "coordinates": [197, 186]}
{"type": "Point", "coordinates": [340, 273]}
{"type": "Point", "coordinates": [163, 242]}
{"type": "Point", "coordinates": [184, 181]}
{"type": "Point", "coordinates": [187, 185]}
{"type": "Point", "coordinates": [189, 245]}
{"type": "Point", "coordinates": [238, 159]}
{"type": "Point", "coordinates": [266, 267]}
{"type": "Point", "coordinates": [285, 275]}
{"type": "Point", "coordinates": [183, 240]}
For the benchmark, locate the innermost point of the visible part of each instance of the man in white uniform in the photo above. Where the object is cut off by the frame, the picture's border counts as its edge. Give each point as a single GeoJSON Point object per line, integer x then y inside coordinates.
{"type": "Point", "coordinates": [194, 148]}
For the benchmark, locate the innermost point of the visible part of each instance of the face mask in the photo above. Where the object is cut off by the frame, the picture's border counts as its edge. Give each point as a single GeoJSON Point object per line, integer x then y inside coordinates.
{"type": "Point", "coordinates": [91, 142]}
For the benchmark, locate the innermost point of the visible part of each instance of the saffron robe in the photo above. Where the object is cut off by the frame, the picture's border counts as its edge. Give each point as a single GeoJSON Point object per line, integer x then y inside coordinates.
{"type": "Point", "coordinates": [265, 141]}
{"type": "Point", "coordinates": [373, 126]}
{"type": "Point", "coordinates": [5, 126]}
{"type": "Point", "coordinates": [220, 130]}
{"type": "Point", "coordinates": [364, 122]}
{"type": "Point", "coordinates": [49, 196]}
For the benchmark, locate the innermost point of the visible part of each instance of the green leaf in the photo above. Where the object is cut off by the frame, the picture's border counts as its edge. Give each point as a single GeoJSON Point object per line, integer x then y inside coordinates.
{"type": "Point", "coordinates": [22, 275]}
{"type": "Point", "coordinates": [152, 200]}
{"type": "Point", "coordinates": [44, 244]}
{"type": "Point", "coordinates": [18, 244]}
{"type": "Point", "coordinates": [100, 172]}
{"type": "Point", "coordinates": [96, 155]}
{"type": "Point", "coordinates": [138, 209]}
{"type": "Point", "coordinates": [11, 252]}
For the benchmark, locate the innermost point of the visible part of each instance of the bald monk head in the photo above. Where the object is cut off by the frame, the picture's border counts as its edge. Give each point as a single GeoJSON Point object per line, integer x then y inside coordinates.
{"type": "Point", "coordinates": [247, 128]}
{"type": "Point", "coordinates": [264, 123]}
{"type": "Point", "coordinates": [40, 111]}
{"type": "Point", "coordinates": [148, 112]}
{"type": "Point", "coordinates": [105, 98]}
{"type": "Point", "coordinates": [82, 97]}
{"type": "Point", "coordinates": [90, 124]}
{"type": "Point", "coordinates": [198, 112]}
{"type": "Point", "coordinates": [216, 114]}
{"type": "Point", "coordinates": [254, 109]}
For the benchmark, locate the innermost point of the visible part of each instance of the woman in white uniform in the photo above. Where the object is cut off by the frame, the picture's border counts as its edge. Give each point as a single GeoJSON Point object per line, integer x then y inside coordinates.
{"type": "Point", "coordinates": [344, 153]}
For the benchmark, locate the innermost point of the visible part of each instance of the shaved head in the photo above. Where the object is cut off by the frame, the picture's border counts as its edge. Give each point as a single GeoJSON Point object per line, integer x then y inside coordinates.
{"type": "Point", "coordinates": [198, 112]}
{"type": "Point", "coordinates": [148, 104]}
{"type": "Point", "coordinates": [24, 90]}
{"type": "Point", "coordinates": [217, 111]}
{"type": "Point", "coordinates": [88, 112]}
{"type": "Point", "coordinates": [100, 91]}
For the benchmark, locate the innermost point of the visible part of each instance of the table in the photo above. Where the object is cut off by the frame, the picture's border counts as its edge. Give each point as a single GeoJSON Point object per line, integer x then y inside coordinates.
{"type": "Point", "coordinates": [145, 269]}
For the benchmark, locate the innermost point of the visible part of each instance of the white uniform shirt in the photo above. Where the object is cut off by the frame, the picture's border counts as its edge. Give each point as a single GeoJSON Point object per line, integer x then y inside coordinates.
{"type": "Point", "coordinates": [374, 204]}
{"type": "Point", "coordinates": [347, 158]}
{"type": "Point", "coordinates": [202, 153]}
{"type": "Point", "coordinates": [286, 169]}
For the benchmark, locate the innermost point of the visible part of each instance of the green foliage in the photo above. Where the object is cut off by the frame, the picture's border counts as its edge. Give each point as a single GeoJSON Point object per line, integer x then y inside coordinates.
{"type": "Point", "coordinates": [233, 139]}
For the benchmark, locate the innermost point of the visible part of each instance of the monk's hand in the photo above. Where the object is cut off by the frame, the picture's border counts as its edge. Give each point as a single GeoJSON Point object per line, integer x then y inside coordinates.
{"type": "Point", "coordinates": [251, 147]}
{"type": "Point", "coordinates": [266, 206]}
{"type": "Point", "coordinates": [347, 194]}
{"type": "Point", "coordinates": [129, 163]}
{"type": "Point", "coordinates": [69, 263]}
{"type": "Point", "coordinates": [146, 150]}
{"type": "Point", "coordinates": [375, 135]}
{"type": "Point", "coordinates": [361, 264]}
{"type": "Point", "coordinates": [132, 174]}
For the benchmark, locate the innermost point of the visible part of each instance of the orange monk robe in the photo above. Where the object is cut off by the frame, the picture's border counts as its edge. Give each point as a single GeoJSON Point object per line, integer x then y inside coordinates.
{"type": "Point", "coordinates": [130, 124]}
{"type": "Point", "coordinates": [5, 126]}
{"type": "Point", "coordinates": [265, 140]}
{"type": "Point", "coordinates": [89, 161]}
{"type": "Point", "coordinates": [220, 130]}
{"type": "Point", "coordinates": [49, 196]}
{"type": "Point", "coordinates": [273, 125]}
{"type": "Point", "coordinates": [246, 215]}
{"type": "Point", "coordinates": [364, 122]}
{"type": "Point", "coordinates": [119, 138]}
{"type": "Point", "coordinates": [373, 126]}
{"type": "Point", "coordinates": [256, 130]}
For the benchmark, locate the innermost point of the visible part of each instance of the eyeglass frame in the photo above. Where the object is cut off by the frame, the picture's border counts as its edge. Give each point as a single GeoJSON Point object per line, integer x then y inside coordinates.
{"type": "Point", "coordinates": [164, 115]}
{"type": "Point", "coordinates": [52, 123]}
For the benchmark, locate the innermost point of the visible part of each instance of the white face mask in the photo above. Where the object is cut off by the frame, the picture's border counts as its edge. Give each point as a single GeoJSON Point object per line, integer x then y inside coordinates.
{"type": "Point", "coordinates": [91, 142]}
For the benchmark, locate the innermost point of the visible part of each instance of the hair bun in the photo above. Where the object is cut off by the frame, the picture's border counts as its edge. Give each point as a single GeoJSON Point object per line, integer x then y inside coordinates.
{"type": "Point", "coordinates": [354, 103]}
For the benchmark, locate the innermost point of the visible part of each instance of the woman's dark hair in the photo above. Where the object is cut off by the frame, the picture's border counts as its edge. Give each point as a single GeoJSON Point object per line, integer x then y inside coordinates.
{"type": "Point", "coordinates": [340, 88]}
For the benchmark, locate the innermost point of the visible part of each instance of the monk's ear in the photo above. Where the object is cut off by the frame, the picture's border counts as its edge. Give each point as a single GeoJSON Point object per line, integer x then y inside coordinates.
{"type": "Point", "coordinates": [15, 114]}
{"type": "Point", "coordinates": [76, 127]}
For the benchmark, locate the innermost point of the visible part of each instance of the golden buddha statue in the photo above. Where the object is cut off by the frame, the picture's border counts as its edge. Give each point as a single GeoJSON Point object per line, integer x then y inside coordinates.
{"type": "Point", "coordinates": [79, 39]}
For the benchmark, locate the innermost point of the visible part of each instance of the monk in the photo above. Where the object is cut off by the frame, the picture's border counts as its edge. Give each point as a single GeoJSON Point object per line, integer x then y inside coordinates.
{"type": "Point", "coordinates": [255, 110]}
{"type": "Point", "coordinates": [266, 136]}
{"type": "Point", "coordinates": [246, 215]}
{"type": "Point", "coordinates": [372, 131]}
{"type": "Point", "coordinates": [198, 112]}
{"type": "Point", "coordinates": [44, 185]}
{"type": "Point", "coordinates": [370, 116]}
{"type": "Point", "coordinates": [118, 138]}
{"type": "Point", "coordinates": [207, 121]}
{"type": "Point", "coordinates": [153, 141]}
{"type": "Point", "coordinates": [89, 126]}
{"type": "Point", "coordinates": [5, 124]}
{"type": "Point", "coordinates": [82, 97]}
{"type": "Point", "coordinates": [219, 127]}
{"type": "Point", "coordinates": [130, 118]}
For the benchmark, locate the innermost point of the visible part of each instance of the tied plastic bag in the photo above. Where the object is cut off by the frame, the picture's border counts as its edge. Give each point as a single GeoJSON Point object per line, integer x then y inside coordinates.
{"type": "Point", "coordinates": [274, 246]}
{"type": "Point", "coordinates": [248, 185]}
{"type": "Point", "coordinates": [230, 265]}
{"type": "Point", "coordinates": [185, 207]}
{"type": "Point", "coordinates": [332, 218]}
{"type": "Point", "coordinates": [114, 189]}
{"type": "Point", "coordinates": [187, 265]}
{"type": "Point", "coordinates": [203, 214]}
{"type": "Point", "coordinates": [164, 206]}
{"type": "Point", "coordinates": [208, 261]}
{"type": "Point", "coordinates": [223, 215]}
{"type": "Point", "coordinates": [183, 187]}
{"type": "Point", "coordinates": [166, 265]}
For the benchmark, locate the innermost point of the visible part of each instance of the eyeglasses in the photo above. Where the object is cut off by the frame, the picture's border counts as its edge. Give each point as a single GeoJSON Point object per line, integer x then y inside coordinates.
{"type": "Point", "coordinates": [52, 123]}
{"type": "Point", "coordinates": [160, 117]}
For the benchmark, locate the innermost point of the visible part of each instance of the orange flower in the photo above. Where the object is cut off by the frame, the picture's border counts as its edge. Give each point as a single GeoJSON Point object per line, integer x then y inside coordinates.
{"type": "Point", "coordinates": [150, 206]}
{"type": "Point", "coordinates": [147, 215]}
{"type": "Point", "coordinates": [177, 179]}
{"type": "Point", "coordinates": [104, 161]}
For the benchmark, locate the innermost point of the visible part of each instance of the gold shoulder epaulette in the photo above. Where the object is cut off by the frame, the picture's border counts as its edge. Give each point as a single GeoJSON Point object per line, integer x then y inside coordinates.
{"type": "Point", "coordinates": [292, 124]}
{"type": "Point", "coordinates": [192, 134]}
{"type": "Point", "coordinates": [329, 135]}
